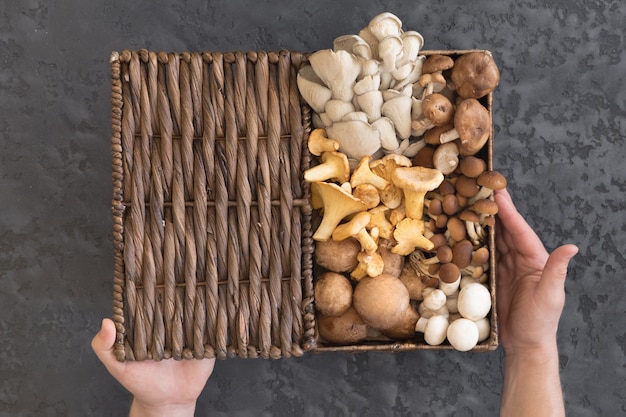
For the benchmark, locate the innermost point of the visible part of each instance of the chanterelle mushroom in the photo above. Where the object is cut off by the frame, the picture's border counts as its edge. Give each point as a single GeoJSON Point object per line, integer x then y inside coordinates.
{"type": "Point", "coordinates": [416, 182]}
{"type": "Point", "coordinates": [319, 143]}
{"type": "Point", "coordinates": [334, 167]}
{"type": "Point", "coordinates": [337, 204]}
{"type": "Point", "coordinates": [356, 228]}
{"type": "Point", "coordinates": [409, 234]}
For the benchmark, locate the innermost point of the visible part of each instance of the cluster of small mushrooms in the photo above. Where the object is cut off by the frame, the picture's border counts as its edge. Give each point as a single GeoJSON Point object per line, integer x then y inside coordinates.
{"type": "Point", "coordinates": [404, 196]}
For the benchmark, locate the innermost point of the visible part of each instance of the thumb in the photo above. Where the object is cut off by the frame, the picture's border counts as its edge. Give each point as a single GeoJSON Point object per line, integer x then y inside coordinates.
{"type": "Point", "coordinates": [102, 343]}
{"type": "Point", "coordinates": [555, 271]}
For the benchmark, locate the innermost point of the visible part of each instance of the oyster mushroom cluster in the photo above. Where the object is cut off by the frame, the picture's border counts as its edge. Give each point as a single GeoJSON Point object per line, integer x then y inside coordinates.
{"type": "Point", "coordinates": [404, 196]}
{"type": "Point", "coordinates": [376, 94]}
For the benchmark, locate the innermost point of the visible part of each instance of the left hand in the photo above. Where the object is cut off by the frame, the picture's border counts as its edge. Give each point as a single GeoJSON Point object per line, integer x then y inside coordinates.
{"type": "Point", "coordinates": [167, 387]}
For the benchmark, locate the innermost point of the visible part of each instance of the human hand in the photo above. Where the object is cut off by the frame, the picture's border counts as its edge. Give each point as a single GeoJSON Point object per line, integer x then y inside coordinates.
{"type": "Point", "coordinates": [530, 286]}
{"type": "Point", "coordinates": [167, 387]}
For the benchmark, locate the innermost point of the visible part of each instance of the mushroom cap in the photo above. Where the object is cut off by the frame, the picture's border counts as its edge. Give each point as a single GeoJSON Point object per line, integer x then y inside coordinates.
{"type": "Point", "coordinates": [449, 273]}
{"type": "Point", "coordinates": [356, 138]}
{"type": "Point", "coordinates": [337, 204]}
{"type": "Point", "coordinates": [344, 329]}
{"type": "Point", "coordinates": [475, 74]}
{"type": "Point", "coordinates": [337, 70]}
{"type": "Point", "coordinates": [334, 166]}
{"type": "Point", "coordinates": [381, 301]}
{"type": "Point", "coordinates": [393, 263]}
{"type": "Point", "coordinates": [472, 166]}
{"type": "Point", "coordinates": [462, 253]}
{"type": "Point", "coordinates": [436, 330]}
{"type": "Point", "coordinates": [463, 334]}
{"type": "Point", "coordinates": [333, 294]}
{"type": "Point", "coordinates": [446, 157]}
{"type": "Point", "coordinates": [417, 178]}
{"type": "Point", "coordinates": [492, 180]}
{"type": "Point", "coordinates": [337, 255]}
{"type": "Point", "coordinates": [312, 89]}
{"type": "Point", "coordinates": [473, 124]}
{"type": "Point", "coordinates": [385, 24]}
{"type": "Point", "coordinates": [474, 301]}
{"type": "Point", "coordinates": [438, 109]}
{"type": "Point", "coordinates": [437, 62]}
{"type": "Point", "coordinates": [405, 329]}
{"type": "Point", "coordinates": [319, 143]}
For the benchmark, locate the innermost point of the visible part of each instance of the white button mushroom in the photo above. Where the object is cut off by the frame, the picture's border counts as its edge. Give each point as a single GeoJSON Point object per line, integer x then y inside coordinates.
{"type": "Point", "coordinates": [434, 329]}
{"type": "Point", "coordinates": [462, 334]}
{"type": "Point", "coordinates": [474, 301]}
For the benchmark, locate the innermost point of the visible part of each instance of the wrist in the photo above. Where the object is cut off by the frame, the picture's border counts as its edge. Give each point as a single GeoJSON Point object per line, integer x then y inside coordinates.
{"type": "Point", "coordinates": [142, 409]}
{"type": "Point", "coordinates": [539, 355]}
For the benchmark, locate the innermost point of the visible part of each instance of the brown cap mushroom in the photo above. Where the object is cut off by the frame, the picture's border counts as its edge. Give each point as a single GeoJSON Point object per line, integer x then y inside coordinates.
{"type": "Point", "coordinates": [381, 301]}
{"type": "Point", "coordinates": [472, 126]}
{"type": "Point", "coordinates": [446, 157]}
{"type": "Point", "coordinates": [405, 329]}
{"type": "Point", "coordinates": [488, 181]}
{"type": "Point", "coordinates": [438, 109]}
{"type": "Point", "coordinates": [333, 294]}
{"type": "Point", "coordinates": [437, 63]}
{"type": "Point", "coordinates": [344, 329]}
{"type": "Point", "coordinates": [475, 74]}
{"type": "Point", "coordinates": [337, 256]}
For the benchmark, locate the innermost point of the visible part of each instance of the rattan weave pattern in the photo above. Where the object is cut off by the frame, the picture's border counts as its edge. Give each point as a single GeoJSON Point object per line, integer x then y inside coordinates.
{"type": "Point", "coordinates": [212, 221]}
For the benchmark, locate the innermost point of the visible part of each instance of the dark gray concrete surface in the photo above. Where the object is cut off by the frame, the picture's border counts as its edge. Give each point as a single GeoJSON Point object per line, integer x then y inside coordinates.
{"type": "Point", "coordinates": [560, 123]}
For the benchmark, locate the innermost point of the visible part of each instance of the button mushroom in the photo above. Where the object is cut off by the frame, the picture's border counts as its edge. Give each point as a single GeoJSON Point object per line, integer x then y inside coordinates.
{"type": "Point", "coordinates": [434, 328]}
{"type": "Point", "coordinates": [337, 256]}
{"type": "Point", "coordinates": [333, 294]}
{"type": "Point", "coordinates": [344, 329]}
{"type": "Point", "coordinates": [462, 334]}
{"type": "Point", "coordinates": [381, 301]}
{"type": "Point", "coordinates": [474, 301]}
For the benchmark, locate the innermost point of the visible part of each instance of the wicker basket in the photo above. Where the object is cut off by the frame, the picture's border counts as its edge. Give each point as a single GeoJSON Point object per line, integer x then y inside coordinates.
{"type": "Point", "coordinates": [212, 219]}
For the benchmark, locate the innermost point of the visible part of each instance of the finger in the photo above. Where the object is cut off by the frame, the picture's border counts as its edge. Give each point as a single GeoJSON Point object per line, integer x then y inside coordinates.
{"type": "Point", "coordinates": [552, 283]}
{"type": "Point", "coordinates": [103, 342]}
{"type": "Point", "coordinates": [515, 226]}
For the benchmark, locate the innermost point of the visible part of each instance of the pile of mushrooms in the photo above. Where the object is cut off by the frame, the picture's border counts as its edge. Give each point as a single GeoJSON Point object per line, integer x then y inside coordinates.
{"type": "Point", "coordinates": [404, 197]}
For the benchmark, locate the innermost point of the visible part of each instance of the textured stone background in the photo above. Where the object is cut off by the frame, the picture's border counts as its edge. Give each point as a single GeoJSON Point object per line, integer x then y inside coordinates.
{"type": "Point", "coordinates": [560, 122]}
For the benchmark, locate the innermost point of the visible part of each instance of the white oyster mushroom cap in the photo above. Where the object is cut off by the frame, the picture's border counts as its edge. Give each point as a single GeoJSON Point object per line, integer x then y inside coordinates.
{"type": "Point", "coordinates": [356, 115]}
{"type": "Point", "coordinates": [312, 89]}
{"type": "Point", "coordinates": [388, 50]}
{"type": "Point", "coordinates": [337, 109]}
{"type": "Point", "coordinates": [474, 301]}
{"type": "Point", "coordinates": [337, 70]}
{"type": "Point", "coordinates": [366, 84]}
{"type": "Point", "coordinates": [435, 329]}
{"type": "Point", "coordinates": [371, 103]}
{"type": "Point", "coordinates": [385, 24]}
{"type": "Point", "coordinates": [412, 43]}
{"type": "Point", "coordinates": [356, 138]}
{"type": "Point", "coordinates": [388, 139]}
{"type": "Point", "coordinates": [353, 44]}
{"type": "Point", "coordinates": [462, 334]}
{"type": "Point", "coordinates": [398, 110]}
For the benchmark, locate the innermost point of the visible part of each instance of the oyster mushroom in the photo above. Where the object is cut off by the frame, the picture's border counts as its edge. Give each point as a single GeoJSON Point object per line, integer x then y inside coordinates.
{"type": "Point", "coordinates": [338, 70]}
{"type": "Point", "coordinates": [356, 138]}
